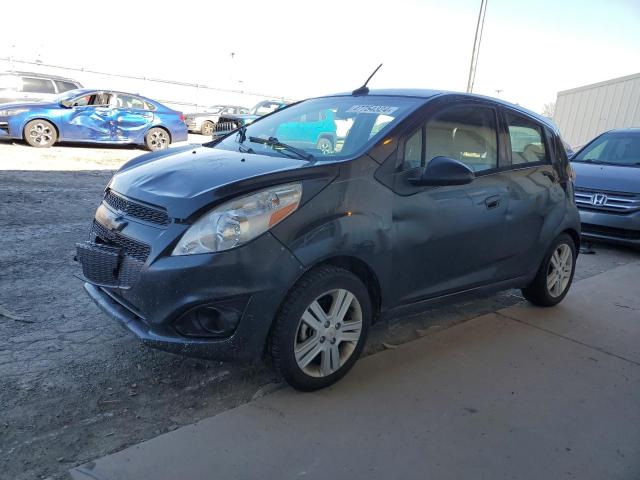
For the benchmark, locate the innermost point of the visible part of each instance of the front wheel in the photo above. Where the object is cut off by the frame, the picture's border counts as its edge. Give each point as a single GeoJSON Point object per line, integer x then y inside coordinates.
{"type": "Point", "coordinates": [157, 139]}
{"type": "Point", "coordinates": [555, 275]}
{"type": "Point", "coordinates": [40, 133]}
{"type": "Point", "coordinates": [321, 328]}
{"type": "Point", "coordinates": [325, 145]}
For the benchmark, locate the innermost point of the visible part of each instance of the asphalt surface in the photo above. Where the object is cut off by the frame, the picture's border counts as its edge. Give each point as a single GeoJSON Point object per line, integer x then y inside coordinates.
{"type": "Point", "coordinates": [75, 386]}
{"type": "Point", "coordinates": [524, 393]}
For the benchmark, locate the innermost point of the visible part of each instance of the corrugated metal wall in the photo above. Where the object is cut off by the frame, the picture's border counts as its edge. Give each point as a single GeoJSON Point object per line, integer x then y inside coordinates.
{"type": "Point", "coordinates": [584, 112]}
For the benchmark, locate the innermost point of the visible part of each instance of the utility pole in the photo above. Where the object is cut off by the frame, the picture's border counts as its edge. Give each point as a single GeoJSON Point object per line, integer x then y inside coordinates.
{"type": "Point", "coordinates": [476, 45]}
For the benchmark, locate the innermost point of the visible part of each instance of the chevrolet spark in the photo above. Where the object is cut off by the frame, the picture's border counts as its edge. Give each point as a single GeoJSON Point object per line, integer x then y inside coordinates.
{"type": "Point", "coordinates": [253, 246]}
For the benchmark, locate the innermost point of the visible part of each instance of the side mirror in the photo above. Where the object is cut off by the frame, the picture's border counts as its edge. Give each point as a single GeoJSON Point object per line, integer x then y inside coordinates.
{"type": "Point", "coordinates": [442, 171]}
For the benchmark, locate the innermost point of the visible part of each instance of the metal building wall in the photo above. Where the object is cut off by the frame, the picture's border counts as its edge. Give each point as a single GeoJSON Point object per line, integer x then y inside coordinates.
{"type": "Point", "coordinates": [584, 112]}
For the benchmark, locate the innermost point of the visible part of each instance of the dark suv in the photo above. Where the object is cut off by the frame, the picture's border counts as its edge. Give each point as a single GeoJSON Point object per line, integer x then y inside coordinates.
{"type": "Point", "coordinates": [252, 245]}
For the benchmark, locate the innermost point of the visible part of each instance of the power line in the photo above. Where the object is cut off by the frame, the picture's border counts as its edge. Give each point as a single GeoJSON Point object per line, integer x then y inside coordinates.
{"type": "Point", "coordinates": [475, 53]}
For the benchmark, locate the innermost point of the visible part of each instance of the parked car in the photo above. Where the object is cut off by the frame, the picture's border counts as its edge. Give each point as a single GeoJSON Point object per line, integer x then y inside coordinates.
{"type": "Point", "coordinates": [250, 245]}
{"type": "Point", "coordinates": [203, 122]}
{"type": "Point", "coordinates": [227, 123]}
{"type": "Point", "coordinates": [94, 116]}
{"type": "Point", "coordinates": [608, 187]}
{"type": "Point", "coordinates": [33, 87]}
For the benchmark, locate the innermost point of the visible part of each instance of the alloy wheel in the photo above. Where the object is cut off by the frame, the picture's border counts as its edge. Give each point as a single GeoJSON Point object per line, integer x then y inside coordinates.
{"type": "Point", "coordinates": [560, 269]}
{"type": "Point", "coordinates": [41, 134]}
{"type": "Point", "coordinates": [158, 140]}
{"type": "Point", "coordinates": [328, 333]}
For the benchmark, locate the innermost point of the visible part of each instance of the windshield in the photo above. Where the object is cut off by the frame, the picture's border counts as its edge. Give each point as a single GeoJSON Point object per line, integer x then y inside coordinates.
{"type": "Point", "coordinates": [216, 109]}
{"type": "Point", "coordinates": [69, 94]}
{"type": "Point", "coordinates": [612, 149]}
{"type": "Point", "coordinates": [333, 127]}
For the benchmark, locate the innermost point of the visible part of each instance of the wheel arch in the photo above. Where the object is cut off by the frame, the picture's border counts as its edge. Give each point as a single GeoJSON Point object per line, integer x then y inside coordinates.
{"type": "Point", "coordinates": [162, 127]}
{"type": "Point", "coordinates": [575, 236]}
{"type": "Point", "coordinates": [55, 125]}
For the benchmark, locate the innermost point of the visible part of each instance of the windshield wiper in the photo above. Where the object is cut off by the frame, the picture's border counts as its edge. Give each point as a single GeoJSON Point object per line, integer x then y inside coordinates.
{"type": "Point", "coordinates": [274, 142]}
{"type": "Point", "coordinates": [597, 162]}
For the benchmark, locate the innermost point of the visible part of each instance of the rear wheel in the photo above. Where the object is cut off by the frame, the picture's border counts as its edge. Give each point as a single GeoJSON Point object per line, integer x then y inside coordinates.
{"type": "Point", "coordinates": [321, 328]}
{"type": "Point", "coordinates": [157, 139]}
{"type": "Point", "coordinates": [555, 275]}
{"type": "Point", "coordinates": [40, 133]}
{"type": "Point", "coordinates": [207, 128]}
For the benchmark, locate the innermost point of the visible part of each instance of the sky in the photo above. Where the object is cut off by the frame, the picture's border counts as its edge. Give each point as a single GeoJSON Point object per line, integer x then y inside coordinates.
{"type": "Point", "coordinates": [296, 49]}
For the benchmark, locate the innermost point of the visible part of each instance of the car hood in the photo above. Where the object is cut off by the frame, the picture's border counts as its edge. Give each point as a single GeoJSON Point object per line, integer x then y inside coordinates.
{"type": "Point", "coordinates": [5, 106]}
{"type": "Point", "coordinates": [607, 177]}
{"type": "Point", "coordinates": [185, 179]}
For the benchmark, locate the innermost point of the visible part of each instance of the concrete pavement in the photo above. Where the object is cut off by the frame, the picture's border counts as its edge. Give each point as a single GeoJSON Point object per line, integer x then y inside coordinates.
{"type": "Point", "coordinates": [524, 393]}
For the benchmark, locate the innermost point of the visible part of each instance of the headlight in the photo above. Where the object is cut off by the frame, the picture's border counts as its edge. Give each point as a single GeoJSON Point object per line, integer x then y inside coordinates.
{"type": "Point", "coordinates": [12, 111]}
{"type": "Point", "coordinates": [240, 220]}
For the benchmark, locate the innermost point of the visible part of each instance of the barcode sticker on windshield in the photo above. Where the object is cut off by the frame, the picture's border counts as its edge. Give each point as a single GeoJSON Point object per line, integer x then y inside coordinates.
{"type": "Point", "coordinates": [379, 109]}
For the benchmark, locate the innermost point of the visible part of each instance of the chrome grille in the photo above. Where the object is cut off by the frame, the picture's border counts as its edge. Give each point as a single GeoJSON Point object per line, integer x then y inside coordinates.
{"type": "Point", "coordinates": [137, 210]}
{"type": "Point", "coordinates": [617, 202]}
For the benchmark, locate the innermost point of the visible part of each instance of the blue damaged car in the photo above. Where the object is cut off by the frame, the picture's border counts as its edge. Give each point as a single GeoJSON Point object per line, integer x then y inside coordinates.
{"type": "Point", "coordinates": [95, 116]}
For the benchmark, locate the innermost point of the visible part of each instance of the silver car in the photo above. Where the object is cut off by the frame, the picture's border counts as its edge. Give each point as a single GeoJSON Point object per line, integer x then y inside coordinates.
{"type": "Point", "coordinates": [607, 187]}
{"type": "Point", "coordinates": [204, 122]}
{"type": "Point", "coordinates": [33, 87]}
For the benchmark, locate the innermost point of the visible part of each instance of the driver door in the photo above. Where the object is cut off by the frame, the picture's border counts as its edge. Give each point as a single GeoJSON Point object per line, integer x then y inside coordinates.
{"type": "Point", "coordinates": [448, 238]}
{"type": "Point", "coordinates": [90, 118]}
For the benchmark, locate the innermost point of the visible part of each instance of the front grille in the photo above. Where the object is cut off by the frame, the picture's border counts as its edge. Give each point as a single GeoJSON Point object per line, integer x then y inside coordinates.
{"type": "Point", "coordinates": [133, 248]}
{"type": "Point", "coordinates": [611, 232]}
{"type": "Point", "coordinates": [603, 200]}
{"type": "Point", "coordinates": [225, 127]}
{"type": "Point", "coordinates": [137, 210]}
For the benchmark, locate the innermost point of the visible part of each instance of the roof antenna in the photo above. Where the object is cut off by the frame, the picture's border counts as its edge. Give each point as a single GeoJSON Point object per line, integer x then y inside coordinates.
{"type": "Point", "coordinates": [363, 90]}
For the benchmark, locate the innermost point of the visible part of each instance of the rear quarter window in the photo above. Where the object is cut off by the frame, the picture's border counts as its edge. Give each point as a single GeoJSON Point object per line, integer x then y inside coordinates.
{"type": "Point", "coordinates": [65, 86]}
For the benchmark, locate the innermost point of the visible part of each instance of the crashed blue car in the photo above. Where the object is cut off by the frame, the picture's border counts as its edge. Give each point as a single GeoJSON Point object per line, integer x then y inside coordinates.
{"type": "Point", "coordinates": [94, 116]}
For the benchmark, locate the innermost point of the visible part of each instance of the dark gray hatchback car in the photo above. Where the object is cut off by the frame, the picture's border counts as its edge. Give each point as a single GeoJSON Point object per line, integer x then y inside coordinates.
{"type": "Point", "coordinates": [258, 244]}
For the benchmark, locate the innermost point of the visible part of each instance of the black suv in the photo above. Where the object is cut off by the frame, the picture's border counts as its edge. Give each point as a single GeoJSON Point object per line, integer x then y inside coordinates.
{"type": "Point", "coordinates": [261, 244]}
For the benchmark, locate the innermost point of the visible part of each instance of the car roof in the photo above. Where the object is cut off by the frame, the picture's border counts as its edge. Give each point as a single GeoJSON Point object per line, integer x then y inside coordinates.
{"type": "Point", "coordinates": [38, 75]}
{"type": "Point", "coordinates": [80, 91]}
{"type": "Point", "coordinates": [429, 93]}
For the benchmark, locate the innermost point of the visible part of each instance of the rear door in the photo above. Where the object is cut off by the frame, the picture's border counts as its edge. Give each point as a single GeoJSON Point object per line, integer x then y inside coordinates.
{"type": "Point", "coordinates": [447, 239]}
{"type": "Point", "coordinates": [132, 118]}
{"type": "Point", "coordinates": [536, 191]}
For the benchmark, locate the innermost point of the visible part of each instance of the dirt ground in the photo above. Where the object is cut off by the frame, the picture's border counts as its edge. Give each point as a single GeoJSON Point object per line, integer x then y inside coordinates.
{"type": "Point", "coordinates": [73, 384]}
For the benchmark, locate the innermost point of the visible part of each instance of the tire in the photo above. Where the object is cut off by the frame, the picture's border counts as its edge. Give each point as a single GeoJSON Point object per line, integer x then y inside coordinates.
{"type": "Point", "coordinates": [310, 348]}
{"type": "Point", "coordinates": [40, 133]}
{"type": "Point", "coordinates": [544, 290]}
{"type": "Point", "coordinates": [157, 139]}
{"type": "Point", "coordinates": [207, 128]}
{"type": "Point", "coordinates": [325, 145]}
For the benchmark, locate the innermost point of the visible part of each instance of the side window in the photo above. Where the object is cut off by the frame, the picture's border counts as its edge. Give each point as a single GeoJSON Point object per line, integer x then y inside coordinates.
{"type": "Point", "coordinates": [65, 86]}
{"type": "Point", "coordinates": [527, 141]}
{"type": "Point", "coordinates": [413, 151]}
{"type": "Point", "coordinates": [465, 133]}
{"type": "Point", "coordinates": [37, 85]}
{"type": "Point", "coordinates": [100, 100]}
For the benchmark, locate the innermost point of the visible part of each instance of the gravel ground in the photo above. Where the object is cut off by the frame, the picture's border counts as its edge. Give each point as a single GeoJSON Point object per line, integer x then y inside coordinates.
{"type": "Point", "coordinates": [73, 384]}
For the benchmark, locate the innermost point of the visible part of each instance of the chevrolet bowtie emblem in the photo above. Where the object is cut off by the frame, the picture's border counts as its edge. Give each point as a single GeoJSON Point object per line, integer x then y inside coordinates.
{"type": "Point", "coordinates": [110, 220]}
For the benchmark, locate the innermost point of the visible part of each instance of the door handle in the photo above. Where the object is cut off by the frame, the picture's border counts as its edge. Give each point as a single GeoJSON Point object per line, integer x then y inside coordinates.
{"type": "Point", "coordinates": [492, 202]}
